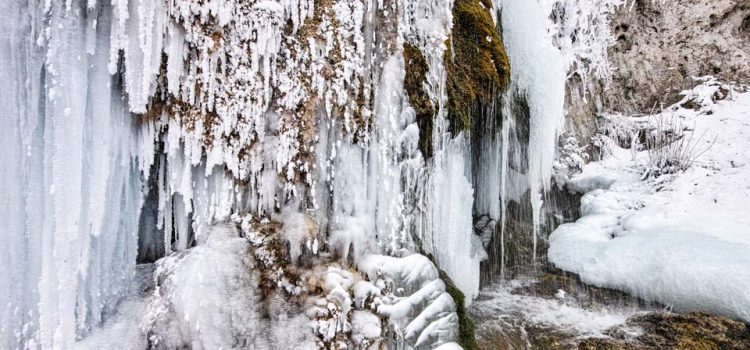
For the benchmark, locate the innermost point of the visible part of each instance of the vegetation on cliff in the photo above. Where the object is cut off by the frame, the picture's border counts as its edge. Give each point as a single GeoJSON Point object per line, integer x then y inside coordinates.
{"type": "Point", "coordinates": [414, 80]}
{"type": "Point", "coordinates": [476, 64]}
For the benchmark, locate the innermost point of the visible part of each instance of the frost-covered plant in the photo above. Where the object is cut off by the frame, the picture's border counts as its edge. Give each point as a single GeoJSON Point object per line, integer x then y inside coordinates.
{"type": "Point", "coordinates": [571, 159]}
{"type": "Point", "coordinates": [581, 30]}
{"type": "Point", "coordinates": [672, 148]}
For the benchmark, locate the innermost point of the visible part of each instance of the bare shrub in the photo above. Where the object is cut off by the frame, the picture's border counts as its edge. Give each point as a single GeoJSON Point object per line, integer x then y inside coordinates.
{"type": "Point", "coordinates": [671, 147]}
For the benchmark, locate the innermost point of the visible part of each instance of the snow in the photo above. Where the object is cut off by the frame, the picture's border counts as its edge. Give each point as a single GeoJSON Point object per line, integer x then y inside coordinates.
{"type": "Point", "coordinates": [680, 239]}
{"type": "Point", "coordinates": [299, 230]}
{"type": "Point", "coordinates": [449, 346]}
{"type": "Point", "coordinates": [412, 297]}
{"type": "Point", "coordinates": [365, 325]}
{"type": "Point", "coordinates": [123, 331]}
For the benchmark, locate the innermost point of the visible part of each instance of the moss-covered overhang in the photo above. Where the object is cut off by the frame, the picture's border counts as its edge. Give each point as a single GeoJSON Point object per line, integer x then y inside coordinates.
{"type": "Point", "coordinates": [476, 64]}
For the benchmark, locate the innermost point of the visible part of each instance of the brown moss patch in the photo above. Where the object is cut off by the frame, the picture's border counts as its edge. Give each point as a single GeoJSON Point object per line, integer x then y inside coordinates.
{"type": "Point", "coordinates": [476, 64]}
{"type": "Point", "coordinates": [271, 252]}
{"type": "Point", "coordinates": [414, 80]}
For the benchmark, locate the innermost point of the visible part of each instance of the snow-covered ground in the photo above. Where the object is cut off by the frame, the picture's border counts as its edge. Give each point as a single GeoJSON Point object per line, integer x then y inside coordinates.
{"type": "Point", "coordinates": [681, 239]}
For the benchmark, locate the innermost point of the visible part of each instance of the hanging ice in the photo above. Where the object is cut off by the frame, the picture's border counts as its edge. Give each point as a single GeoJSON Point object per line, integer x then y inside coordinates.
{"type": "Point", "coordinates": [187, 112]}
{"type": "Point", "coordinates": [71, 185]}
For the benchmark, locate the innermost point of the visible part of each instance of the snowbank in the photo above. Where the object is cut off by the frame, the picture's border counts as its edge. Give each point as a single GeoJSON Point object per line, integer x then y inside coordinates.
{"type": "Point", "coordinates": [681, 239]}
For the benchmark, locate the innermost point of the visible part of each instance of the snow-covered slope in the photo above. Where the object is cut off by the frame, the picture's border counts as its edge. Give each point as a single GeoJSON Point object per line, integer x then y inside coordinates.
{"type": "Point", "coordinates": [682, 238]}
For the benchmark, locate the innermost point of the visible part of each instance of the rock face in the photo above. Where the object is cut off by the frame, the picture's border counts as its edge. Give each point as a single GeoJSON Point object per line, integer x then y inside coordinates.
{"type": "Point", "coordinates": [659, 46]}
{"type": "Point", "coordinates": [670, 331]}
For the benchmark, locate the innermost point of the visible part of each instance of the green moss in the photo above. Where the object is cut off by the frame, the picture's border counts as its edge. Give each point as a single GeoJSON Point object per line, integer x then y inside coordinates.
{"type": "Point", "coordinates": [476, 64]}
{"type": "Point", "coordinates": [466, 330]}
{"type": "Point", "coordinates": [416, 75]}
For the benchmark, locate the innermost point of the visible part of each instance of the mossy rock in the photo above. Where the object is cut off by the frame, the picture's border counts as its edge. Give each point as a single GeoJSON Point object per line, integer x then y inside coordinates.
{"type": "Point", "coordinates": [466, 328]}
{"type": "Point", "coordinates": [414, 83]}
{"type": "Point", "coordinates": [476, 64]}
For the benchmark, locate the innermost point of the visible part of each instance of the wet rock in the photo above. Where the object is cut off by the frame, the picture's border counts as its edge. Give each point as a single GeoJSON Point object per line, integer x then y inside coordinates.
{"type": "Point", "coordinates": [484, 227]}
{"type": "Point", "coordinates": [649, 329]}
{"type": "Point", "coordinates": [692, 331]}
{"type": "Point", "coordinates": [695, 331]}
{"type": "Point", "coordinates": [531, 337]}
{"type": "Point", "coordinates": [552, 282]}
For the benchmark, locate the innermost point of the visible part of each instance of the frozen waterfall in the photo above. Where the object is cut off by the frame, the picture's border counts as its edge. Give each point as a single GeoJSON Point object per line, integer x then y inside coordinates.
{"type": "Point", "coordinates": [132, 127]}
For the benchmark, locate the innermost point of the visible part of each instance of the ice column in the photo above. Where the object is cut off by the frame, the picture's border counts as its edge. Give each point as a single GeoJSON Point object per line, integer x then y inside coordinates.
{"type": "Point", "coordinates": [538, 72]}
{"type": "Point", "coordinates": [70, 183]}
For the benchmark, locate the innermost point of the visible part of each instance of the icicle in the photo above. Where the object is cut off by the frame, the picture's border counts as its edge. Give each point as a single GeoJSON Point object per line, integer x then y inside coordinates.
{"type": "Point", "coordinates": [79, 197]}
{"type": "Point", "coordinates": [538, 72]}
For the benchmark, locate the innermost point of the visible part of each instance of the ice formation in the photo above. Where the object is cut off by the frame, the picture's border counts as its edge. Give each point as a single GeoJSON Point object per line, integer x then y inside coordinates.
{"type": "Point", "coordinates": [72, 185]}
{"type": "Point", "coordinates": [135, 128]}
{"type": "Point", "coordinates": [210, 297]}
{"type": "Point", "coordinates": [548, 42]}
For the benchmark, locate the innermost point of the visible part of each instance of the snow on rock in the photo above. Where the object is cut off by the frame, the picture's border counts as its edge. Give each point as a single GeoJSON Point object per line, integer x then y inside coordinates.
{"type": "Point", "coordinates": [237, 288]}
{"type": "Point", "coordinates": [653, 37]}
{"type": "Point", "coordinates": [365, 326]}
{"type": "Point", "coordinates": [681, 239]}
{"type": "Point", "coordinates": [389, 297]}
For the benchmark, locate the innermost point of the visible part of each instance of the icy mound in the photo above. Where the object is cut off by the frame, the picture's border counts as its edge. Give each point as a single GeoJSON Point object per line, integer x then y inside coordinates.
{"type": "Point", "coordinates": [402, 303]}
{"type": "Point", "coordinates": [123, 331]}
{"type": "Point", "coordinates": [209, 297]}
{"type": "Point", "coordinates": [414, 299]}
{"type": "Point", "coordinates": [681, 239]}
{"type": "Point", "coordinates": [242, 292]}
